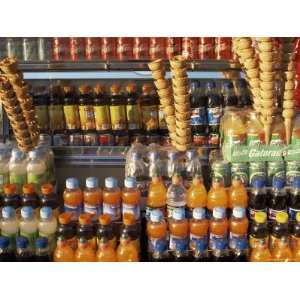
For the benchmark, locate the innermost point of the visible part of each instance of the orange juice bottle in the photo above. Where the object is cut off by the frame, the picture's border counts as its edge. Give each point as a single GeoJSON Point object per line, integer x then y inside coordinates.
{"type": "Point", "coordinates": [106, 253]}
{"type": "Point", "coordinates": [157, 237]}
{"type": "Point", "coordinates": [217, 197]}
{"type": "Point", "coordinates": [237, 194]}
{"type": "Point", "coordinates": [131, 197]}
{"type": "Point", "coordinates": [196, 196]}
{"type": "Point", "coordinates": [85, 252]}
{"type": "Point", "coordinates": [63, 252]}
{"type": "Point", "coordinates": [157, 196]}
{"type": "Point", "coordinates": [130, 230]}
{"type": "Point", "coordinates": [73, 198]}
{"type": "Point", "coordinates": [105, 231]}
{"type": "Point", "coordinates": [261, 252]}
{"type": "Point", "coordinates": [112, 199]}
{"type": "Point", "coordinates": [92, 198]}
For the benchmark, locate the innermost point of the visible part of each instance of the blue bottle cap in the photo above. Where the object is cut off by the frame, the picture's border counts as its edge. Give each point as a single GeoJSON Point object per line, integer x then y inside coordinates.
{"type": "Point", "coordinates": [130, 182]}
{"type": "Point", "coordinates": [239, 212]}
{"type": "Point", "coordinates": [27, 212]}
{"type": "Point", "coordinates": [72, 183]}
{"type": "Point", "coordinates": [190, 154]}
{"type": "Point", "coordinates": [178, 214]}
{"type": "Point", "coordinates": [4, 242]}
{"type": "Point", "coordinates": [258, 182]}
{"type": "Point", "coordinates": [278, 183]}
{"type": "Point", "coordinates": [91, 182]}
{"type": "Point", "coordinates": [296, 182]}
{"type": "Point", "coordinates": [199, 213]}
{"type": "Point", "coordinates": [241, 244]}
{"type": "Point", "coordinates": [8, 212]}
{"type": "Point", "coordinates": [46, 212]}
{"type": "Point", "coordinates": [111, 182]}
{"type": "Point", "coordinates": [41, 243]}
{"type": "Point", "coordinates": [219, 213]}
{"type": "Point", "coordinates": [22, 242]}
{"type": "Point", "coordinates": [156, 215]}
{"type": "Point", "coordinates": [228, 85]}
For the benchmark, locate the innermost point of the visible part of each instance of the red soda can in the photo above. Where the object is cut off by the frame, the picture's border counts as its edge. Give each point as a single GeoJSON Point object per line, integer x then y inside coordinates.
{"type": "Point", "coordinates": [223, 48]}
{"type": "Point", "coordinates": [108, 47]}
{"type": "Point", "coordinates": [76, 48]}
{"type": "Point", "coordinates": [140, 48]}
{"type": "Point", "coordinates": [190, 47]}
{"type": "Point", "coordinates": [60, 48]}
{"type": "Point", "coordinates": [124, 48]}
{"type": "Point", "coordinates": [206, 48]}
{"type": "Point", "coordinates": [157, 48]}
{"type": "Point", "coordinates": [173, 46]}
{"type": "Point", "coordinates": [92, 48]}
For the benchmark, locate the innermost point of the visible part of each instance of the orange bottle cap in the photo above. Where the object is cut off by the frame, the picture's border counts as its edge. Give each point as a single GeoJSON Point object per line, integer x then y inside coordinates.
{"type": "Point", "coordinates": [85, 219]}
{"type": "Point", "coordinates": [115, 88]}
{"type": "Point", "coordinates": [105, 219]}
{"type": "Point", "coordinates": [47, 188]}
{"type": "Point", "coordinates": [68, 89]}
{"type": "Point", "coordinates": [10, 188]}
{"type": "Point", "coordinates": [28, 188]}
{"type": "Point", "coordinates": [98, 89]}
{"type": "Point", "coordinates": [131, 87]}
{"type": "Point", "coordinates": [128, 219]}
{"type": "Point", "coordinates": [147, 88]}
{"type": "Point", "coordinates": [84, 89]}
{"type": "Point", "coordinates": [65, 218]}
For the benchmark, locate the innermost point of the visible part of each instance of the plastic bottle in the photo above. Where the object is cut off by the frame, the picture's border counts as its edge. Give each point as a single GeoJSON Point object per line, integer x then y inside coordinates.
{"type": "Point", "coordinates": [42, 251]}
{"type": "Point", "coordinates": [30, 198]}
{"type": "Point", "coordinates": [220, 251]}
{"type": "Point", "coordinates": [192, 167]}
{"type": "Point", "coordinates": [229, 97]}
{"type": "Point", "coordinates": [67, 230]}
{"type": "Point", "coordinates": [112, 199]}
{"type": "Point", "coordinates": [237, 194]}
{"type": "Point", "coordinates": [17, 169]}
{"type": "Point", "coordinates": [131, 197]}
{"type": "Point", "coordinates": [105, 252]}
{"type": "Point", "coordinates": [278, 131]}
{"type": "Point", "coordinates": [36, 170]}
{"type": "Point", "coordinates": [86, 230]}
{"type": "Point", "coordinates": [11, 197]}
{"type": "Point", "coordinates": [259, 230]}
{"type": "Point", "coordinates": [199, 234]}
{"type": "Point", "coordinates": [24, 252]}
{"type": "Point", "coordinates": [241, 251]}
{"type": "Point", "coordinates": [85, 252]}
{"type": "Point", "coordinates": [217, 196]}
{"type": "Point", "coordinates": [282, 252]}
{"type": "Point", "coordinates": [176, 195]}
{"type": "Point", "coordinates": [255, 129]}
{"type": "Point", "coordinates": [278, 200]}
{"type": "Point", "coordinates": [280, 230]}
{"type": "Point", "coordinates": [179, 233]}
{"type": "Point", "coordinates": [6, 253]}
{"type": "Point", "coordinates": [130, 230]}
{"type": "Point", "coordinates": [48, 226]}
{"type": "Point", "coordinates": [174, 167]}
{"type": "Point", "coordinates": [258, 198]}
{"type": "Point", "coordinates": [244, 99]}
{"type": "Point", "coordinates": [9, 225]}
{"type": "Point", "coordinates": [28, 226]}
{"type": "Point", "coordinates": [105, 231]}
{"type": "Point", "coordinates": [63, 252]}
{"type": "Point", "coordinates": [261, 252]}
{"type": "Point", "coordinates": [156, 167]}
{"type": "Point", "coordinates": [196, 196]}
{"type": "Point", "coordinates": [157, 196]}
{"type": "Point", "coordinates": [73, 198]}
{"type": "Point", "coordinates": [157, 237]}
{"type": "Point", "coordinates": [4, 169]}
{"type": "Point", "coordinates": [294, 199]}
{"type": "Point", "coordinates": [92, 198]}
{"type": "Point", "coordinates": [86, 109]}
{"type": "Point", "coordinates": [49, 198]}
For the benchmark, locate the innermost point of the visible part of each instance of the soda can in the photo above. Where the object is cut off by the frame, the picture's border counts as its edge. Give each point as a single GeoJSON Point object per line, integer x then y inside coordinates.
{"type": "Point", "coordinates": [140, 48]}
{"type": "Point", "coordinates": [190, 47]}
{"type": "Point", "coordinates": [108, 48]}
{"type": "Point", "coordinates": [77, 48]}
{"type": "Point", "coordinates": [124, 48]}
{"type": "Point", "coordinates": [60, 48]}
{"type": "Point", "coordinates": [207, 48]}
{"type": "Point", "coordinates": [223, 48]}
{"type": "Point", "coordinates": [76, 139]}
{"type": "Point", "coordinates": [173, 46]}
{"type": "Point", "coordinates": [220, 169]}
{"type": "Point", "coordinates": [14, 48]}
{"type": "Point", "coordinates": [240, 169]}
{"type": "Point", "coordinates": [29, 49]}
{"type": "Point", "coordinates": [44, 49]}
{"type": "Point", "coordinates": [157, 48]}
{"type": "Point", "coordinates": [90, 139]}
{"type": "Point", "coordinates": [257, 168]}
{"type": "Point", "coordinates": [292, 171]}
{"type": "Point", "coordinates": [275, 169]}
{"type": "Point", "coordinates": [92, 48]}
{"type": "Point", "coordinates": [106, 139]}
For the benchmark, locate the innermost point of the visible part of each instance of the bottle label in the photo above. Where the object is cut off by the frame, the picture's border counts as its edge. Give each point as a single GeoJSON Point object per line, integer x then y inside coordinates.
{"type": "Point", "coordinates": [254, 139]}
{"type": "Point", "coordinates": [213, 238]}
{"type": "Point", "coordinates": [87, 119]}
{"type": "Point", "coordinates": [51, 239]}
{"type": "Point", "coordinates": [56, 117]}
{"type": "Point", "coordinates": [234, 139]}
{"type": "Point", "coordinates": [41, 112]}
{"type": "Point", "coordinates": [94, 210]}
{"type": "Point", "coordinates": [254, 242]}
{"type": "Point", "coordinates": [272, 213]}
{"type": "Point", "coordinates": [31, 237]}
{"type": "Point", "coordinates": [113, 210]}
{"type": "Point", "coordinates": [176, 240]}
{"type": "Point", "coordinates": [133, 116]}
{"type": "Point", "coordinates": [198, 116]}
{"type": "Point", "coordinates": [292, 213]}
{"type": "Point", "coordinates": [102, 117]}
{"type": "Point", "coordinates": [295, 139]}
{"type": "Point", "coordinates": [252, 212]}
{"type": "Point", "coordinates": [240, 170]}
{"type": "Point", "coordinates": [277, 139]}
{"type": "Point", "coordinates": [12, 239]}
{"type": "Point", "coordinates": [214, 115]}
{"type": "Point", "coordinates": [198, 242]}
{"type": "Point", "coordinates": [234, 238]}
{"type": "Point", "coordinates": [131, 209]}
{"type": "Point", "coordinates": [118, 117]}
{"type": "Point", "coordinates": [72, 117]}
{"type": "Point", "coordinates": [150, 117]}
{"type": "Point", "coordinates": [150, 209]}
{"type": "Point", "coordinates": [157, 245]}
{"type": "Point", "coordinates": [75, 210]}
{"type": "Point", "coordinates": [292, 171]}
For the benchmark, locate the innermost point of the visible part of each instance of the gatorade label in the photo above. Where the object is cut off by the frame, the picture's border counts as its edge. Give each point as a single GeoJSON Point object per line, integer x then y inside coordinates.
{"type": "Point", "coordinates": [113, 210]}
{"type": "Point", "coordinates": [94, 210]}
{"type": "Point", "coordinates": [198, 116]}
{"type": "Point", "coordinates": [75, 210]}
{"type": "Point", "coordinates": [234, 139]}
{"type": "Point", "coordinates": [277, 139]}
{"type": "Point", "coordinates": [157, 245]}
{"type": "Point", "coordinates": [234, 238]}
{"type": "Point", "coordinates": [252, 212]}
{"type": "Point", "coordinates": [214, 115]}
{"type": "Point", "coordinates": [254, 139]}
{"type": "Point", "coordinates": [272, 213]}
{"type": "Point", "coordinates": [292, 213]}
{"type": "Point", "coordinates": [189, 213]}
{"type": "Point", "coordinates": [131, 209]}
{"type": "Point", "coordinates": [176, 240]}
{"type": "Point", "coordinates": [213, 238]}
{"type": "Point", "coordinates": [150, 209]}
{"type": "Point", "coordinates": [198, 242]}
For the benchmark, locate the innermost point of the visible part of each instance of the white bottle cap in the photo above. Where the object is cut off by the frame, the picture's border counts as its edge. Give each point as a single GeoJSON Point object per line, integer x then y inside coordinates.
{"type": "Point", "coordinates": [130, 182]}
{"type": "Point", "coordinates": [27, 212]}
{"type": "Point", "coordinates": [91, 182]}
{"type": "Point", "coordinates": [46, 212]}
{"type": "Point", "coordinates": [238, 212]}
{"type": "Point", "coordinates": [219, 213]}
{"type": "Point", "coordinates": [8, 212]}
{"type": "Point", "coordinates": [199, 213]}
{"type": "Point", "coordinates": [72, 183]}
{"type": "Point", "coordinates": [156, 215]}
{"type": "Point", "coordinates": [111, 182]}
{"type": "Point", "coordinates": [178, 214]}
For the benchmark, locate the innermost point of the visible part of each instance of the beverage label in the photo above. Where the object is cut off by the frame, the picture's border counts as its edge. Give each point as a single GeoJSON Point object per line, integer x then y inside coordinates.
{"type": "Point", "coordinates": [131, 209]}
{"type": "Point", "coordinates": [277, 139]}
{"type": "Point", "coordinates": [72, 117]}
{"type": "Point", "coordinates": [242, 171]}
{"type": "Point", "coordinates": [198, 242]}
{"type": "Point", "coordinates": [272, 213]}
{"type": "Point", "coordinates": [257, 169]}
{"type": "Point", "coordinates": [199, 139]}
{"type": "Point", "coordinates": [75, 210]}
{"type": "Point", "coordinates": [252, 212]}
{"type": "Point", "coordinates": [133, 116]}
{"type": "Point", "coordinates": [254, 242]}
{"type": "Point", "coordinates": [292, 171]}
{"type": "Point", "coordinates": [292, 213]}
{"type": "Point", "coordinates": [214, 139]}
{"type": "Point", "coordinates": [214, 115]}
{"type": "Point", "coordinates": [198, 116]}
{"type": "Point", "coordinates": [95, 210]}
{"type": "Point", "coordinates": [234, 238]}
{"type": "Point", "coordinates": [87, 118]}
{"type": "Point", "coordinates": [118, 117]}
{"type": "Point", "coordinates": [56, 117]}
{"type": "Point", "coordinates": [113, 210]}
{"type": "Point", "coordinates": [51, 239]}
{"type": "Point", "coordinates": [12, 239]}
{"type": "Point", "coordinates": [41, 112]}
{"type": "Point", "coordinates": [277, 169]}
{"type": "Point", "coordinates": [102, 117]}
{"type": "Point", "coordinates": [157, 245]}
{"type": "Point", "coordinates": [150, 117]}
{"type": "Point", "coordinates": [150, 209]}
{"type": "Point", "coordinates": [234, 139]}
{"type": "Point", "coordinates": [295, 139]}
{"type": "Point", "coordinates": [175, 240]}
{"type": "Point", "coordinates": [254, 139]}
{"type": "Point", "coordinates": [31, 236]}
{"type": "Point", "coordinates": [213, 240]}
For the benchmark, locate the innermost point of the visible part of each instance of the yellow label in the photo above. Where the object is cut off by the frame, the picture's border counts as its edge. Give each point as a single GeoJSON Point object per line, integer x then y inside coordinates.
{"type": "Point", "coordinates": [118, 117]}
{"type": "Point", "coordinates": [87, 119]}
{"type": "Point", "coordinates": [56, 117]}
{"type": "Point", "coordinates": [72, 116]}
{"type": "Point", "coordinates": [102, 117]}
{"type": "Point", "coordinates": [150, 117]}
{"type": "Point", "coordinates": [133, 116]}
{"type": "Point", "coordinates": [41, 112]}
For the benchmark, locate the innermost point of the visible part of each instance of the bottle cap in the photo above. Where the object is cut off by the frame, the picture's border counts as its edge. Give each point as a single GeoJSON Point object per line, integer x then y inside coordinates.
{"type": "Point", "coordinates": [128, 219]}
{"type": "Point", "coordinates": [131, 87]}
{"type": "Point", "coordinates": [278, 183]}
{"type": "Point", "coordinates": [219, 213]}
{"type": "Point", "coordinates": [28, 188]}
{"type": "Point", "coordinates": [45, 212]}
{"type": "Point", "coordinates": [111, 182]}
{"type": "Point", "coordinates": [105, 219]}
{"type": "Point", "coordinates": [297, 216]}
{"type": "Point", "coordinates": [99, 89]}
{"type": "Point", "coordinates": [84, 89]}
{"type": "Point", "coordinates": [178, 214]}
{"type": "Point", "coordinates": [239, 212]}
{"type": "Point", "coordinates": [282, 217]}
{"type": "Point", "coordinates": [130, 182]}
{"type": "Point", "coordinates": [41, 243]}
{"type": "Point", "coordinates": [47, 188]}
{"type": "Point", "coordinates": [115, 88]}
{"type": "Point", "coordinates": [190, 154]}
{"type": "Point", "coordinates": [4, 242]}
{"type": "Point", "coordinates": [296, 182]}
{"type": "Point", "coordinates": [8, 212]}
{"type": "Point", "coordinates": [199, 213]}
{"type": "Point", "coordinates": [156, 215]}
{"type": "Point", "coordinates": [85, 219]}
{"type": "Point", "coordinates": [17, 154]}
{"type": "Point", "coordinates": [91, 182]}
{"type": "Point", "coordinates": [22, 242]}
{"type": "Point", "coordinates": [65, 218]}
{"type": "Point", "coordinates": [258, 182]}
{"type": "Point", "coordinates": [72, 183]}
{"type": "Point", "coordinates": [10, 188]}
{"type": "Point", "coordinates": [27, 212]}
{"type": "Point", "coordinates": [260, 217]}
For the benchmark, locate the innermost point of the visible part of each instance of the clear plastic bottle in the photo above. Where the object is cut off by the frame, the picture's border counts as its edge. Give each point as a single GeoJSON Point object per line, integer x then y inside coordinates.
{"type": "Point", "coordinates": [176, 195]}
{"type": "Point", "coordinates": [4, 169]}
{"type": "Point", "coordinates": [192, 167]}
{"type": "Point", "coordinates": [155, 164]}
{"type": "Point", "coordinates": [174, 167]}
{"type": "Point", "coordinates": [9, 225]}
{"type": "Point", "coordinates": [18, 169]}
{"type": "Point", "coordinates": [255, 129]}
